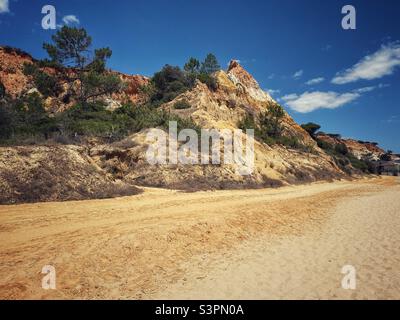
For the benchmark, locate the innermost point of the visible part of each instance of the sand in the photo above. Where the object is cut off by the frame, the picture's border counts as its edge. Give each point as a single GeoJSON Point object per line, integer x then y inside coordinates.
{"type": "Point", "coordinates": [288, 243]}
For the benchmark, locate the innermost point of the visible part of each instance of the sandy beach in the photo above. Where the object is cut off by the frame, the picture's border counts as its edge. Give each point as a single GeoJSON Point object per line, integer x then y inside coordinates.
{"type": "Point", "coordinates": [290, 242]}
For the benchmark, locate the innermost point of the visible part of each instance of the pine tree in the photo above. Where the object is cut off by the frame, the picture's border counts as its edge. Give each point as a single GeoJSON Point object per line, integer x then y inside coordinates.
{"type": "Point", "coordinates": [71, 48]}
{"type": "Point", "coordinates": [210, 64]}
{"type": "Point", "coordinates": [192, 66]}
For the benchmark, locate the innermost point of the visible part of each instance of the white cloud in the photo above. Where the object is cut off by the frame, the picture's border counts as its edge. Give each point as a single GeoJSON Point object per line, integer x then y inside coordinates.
{"type": "Point", "coordinates": [298, 74]}
{"type": "Point", "coordinates": [371, 88]}
{"type": "Point", "coordinates": [310, 101]}
{"type": "Point", "coordinates": [272, 92]}
{"type": "Point", "coordinates": [71, 19]}
{"type": "Point", "coordinates": [327, 47]}
{"type": "Point", "coordinates": [4, 6]}
{"type": "Point", "coordinates": [315, 81]}
{"type": "Point", "coordinates": [381, 63]}
{"type": "Point", "coordinates": [365, 89]}
{"type": "Point", "coordinates": [393, 119]}
{"type": "Point", "coordinates": [271, 76]}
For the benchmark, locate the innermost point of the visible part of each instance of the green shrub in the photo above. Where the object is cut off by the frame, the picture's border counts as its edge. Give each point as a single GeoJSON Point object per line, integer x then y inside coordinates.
{"type": "Point", "coordinates": [324, 145]}
{"type": "Point", "coordinates": [167, 84]}
{"type": "Point", "coordinates": [47, 85]}
{"type": "Point", "coordinates": [358, 164]}
{"type": "Point", "coordinates": [270, 122]}
{"type": "Point", "coordinates": [290, 142]}
{"type": "Point", "coordinates": [2, 90]}
{"type": "Point", "coordinates": [94, 120]}
{"type": "Point", "coordinates": [25, 118]}
{"type": "Point", "coordinates": [268, 133]}
{"type": "Point", "coordinates": [5, 123]}
{"type": "Point", "coordinates": [208, 80]}
{"type": "Point", "coordinates": [29, 69]}
{"type": "Point", "coordinates": [248, 122]}
{"type": "Point", "coordinates": [182, 104]}
{"type": "Point", "coordinates": [341, 148]}
{"type": "Point", "coordinates": [311, 128]}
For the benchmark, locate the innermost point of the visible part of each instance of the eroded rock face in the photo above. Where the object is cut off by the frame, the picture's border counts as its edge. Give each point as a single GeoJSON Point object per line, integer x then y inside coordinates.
{"type": "Point", "coordinates": [221, 109]}
{"type": "Point", "coordinates": [273, 167]}
{"type": "Point", "coordinates": [238, 93]}
{"type": "Point", "coordinates": [11, 67]}
{"type": "Point", "coordinates": [133, 85]}
{"type": "Point", "coordinates": [17, 84]}
{"type": "Point", "coordinates": [55, 173]}
{"type": "Point", "coordinates": [243, 80]}
{"type": "Point", "coordinates": [362, 150]}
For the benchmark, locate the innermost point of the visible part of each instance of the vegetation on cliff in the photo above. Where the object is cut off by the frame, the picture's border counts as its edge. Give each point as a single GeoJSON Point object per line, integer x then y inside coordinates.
{"type": "Point", "coordinates": [24, 119]}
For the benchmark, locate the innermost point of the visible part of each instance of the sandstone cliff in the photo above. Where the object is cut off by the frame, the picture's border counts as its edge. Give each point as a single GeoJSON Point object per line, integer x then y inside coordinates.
{"type": "Point", "coordinates": [362, 150]}
{"type": "Point", "coordinates": [238, 93]}
{"type": "Point", "coordinates": [40, 173]}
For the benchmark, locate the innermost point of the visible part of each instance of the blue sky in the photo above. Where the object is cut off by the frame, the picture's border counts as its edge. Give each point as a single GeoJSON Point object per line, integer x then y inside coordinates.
{"type": "Point", "coordinates": [345, 80]}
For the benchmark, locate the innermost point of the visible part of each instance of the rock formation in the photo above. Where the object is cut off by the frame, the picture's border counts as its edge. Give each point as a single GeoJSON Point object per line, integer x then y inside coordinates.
{"type": "Point", "coordinates": [17, 83]}
{"type": "Point", "coordinates": [40, 173]}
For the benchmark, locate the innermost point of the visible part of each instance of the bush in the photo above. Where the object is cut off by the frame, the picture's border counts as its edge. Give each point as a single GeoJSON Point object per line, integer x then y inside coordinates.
{"type": "Point", "coordinates": [311, 128]}
{"type": "Point", "coordinates": [25, 121]}
{"type": "Point", "coordinates": [208, 80]}
{"type": "Point", "coordinates": [2, 90]}
{"type": "Point", "coordinates": [324, 145]}
{"type": "Point", "coordinates": [290, 142]}
{"type": "Point", "coordinates": [5, 123]}
{"type": "Point", "coordinates": [341, 148]}
{"type": "Point", "coordinates": [248, 122]}
{"type": "Point", "coordinates": [334, 135]}
{"type": "Point", "coordinates": [270, 122]}
{"type": "Point", "coordinates": [267, 133]}
{"type": "Point", "coordinates": [26, 117]}
{"type": "Point", "coordinates": [167, 84]}
{"type": "Point", "coordinates": [183, 104]}
{"type": "Point", "coordinates": [47, 85]}
{"type": "Point", "coordinates": [94, 120]}
{"type": "Point", "coordinates": [358, 164]}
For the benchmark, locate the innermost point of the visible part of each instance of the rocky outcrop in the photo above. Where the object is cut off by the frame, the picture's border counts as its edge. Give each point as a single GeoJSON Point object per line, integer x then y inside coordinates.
{"type": "Point", "coordinates": [244, 81]}
{"type": "Point", "coordinates": [362, 150]}
{"type": "Point", "coordinates": [273, 167]}
{"type": "Point", "coordinates": [17, 83]}
{"type": "Point", "coordinates": [99, 170]}
{"type": "Point", "coordinates": [237, 94]}
{"type": "Point", "coordinates": [11, 71]}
